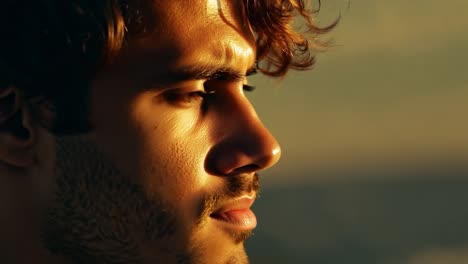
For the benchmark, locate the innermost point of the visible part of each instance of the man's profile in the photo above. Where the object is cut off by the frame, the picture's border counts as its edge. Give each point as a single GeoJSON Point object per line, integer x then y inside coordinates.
{"type": "Point", "coordinates": [125, 134]}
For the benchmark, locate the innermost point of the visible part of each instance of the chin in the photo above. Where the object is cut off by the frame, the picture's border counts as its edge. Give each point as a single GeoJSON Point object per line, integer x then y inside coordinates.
{"type": "Point", "coordinates": [215, 244]}
{"type": "Point", "coordinates": [232, 255]}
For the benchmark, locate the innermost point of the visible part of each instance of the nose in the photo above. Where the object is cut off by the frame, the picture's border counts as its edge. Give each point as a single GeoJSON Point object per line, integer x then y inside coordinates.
{"type": "Point", "coordinates": [243, 144]}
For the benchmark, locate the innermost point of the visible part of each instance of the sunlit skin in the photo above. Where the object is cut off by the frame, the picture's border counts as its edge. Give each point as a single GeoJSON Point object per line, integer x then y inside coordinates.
{"type": "Point", "coordinates": [175, 141]}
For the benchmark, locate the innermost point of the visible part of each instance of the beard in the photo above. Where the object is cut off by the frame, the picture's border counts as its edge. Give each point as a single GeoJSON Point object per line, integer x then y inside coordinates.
{"type": "Point", "coordinates": [98, 215]}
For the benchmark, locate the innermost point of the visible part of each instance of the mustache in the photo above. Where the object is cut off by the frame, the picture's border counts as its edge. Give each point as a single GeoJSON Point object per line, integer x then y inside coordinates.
{"type": "Point", "coordinates": [242, 184]}
{"type": "Point", "coordinates": [237, 186]}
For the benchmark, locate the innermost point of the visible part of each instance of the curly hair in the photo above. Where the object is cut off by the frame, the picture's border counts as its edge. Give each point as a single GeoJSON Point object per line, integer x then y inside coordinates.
{"type": "Point", "coordinates": [51, 49]}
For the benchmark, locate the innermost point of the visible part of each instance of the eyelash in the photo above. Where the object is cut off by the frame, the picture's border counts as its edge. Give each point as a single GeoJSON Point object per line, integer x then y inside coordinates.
{"type": "Point", "coordinates": [248, 88]}
{"type": "Point", "coordinates": [184, 98]}
{"type": "Point", "coordinates": [192, 97]}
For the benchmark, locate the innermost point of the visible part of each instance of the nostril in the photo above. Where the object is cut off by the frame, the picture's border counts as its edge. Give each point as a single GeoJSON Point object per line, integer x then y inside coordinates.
{"type": "Point", "coordinates": [246, 169]}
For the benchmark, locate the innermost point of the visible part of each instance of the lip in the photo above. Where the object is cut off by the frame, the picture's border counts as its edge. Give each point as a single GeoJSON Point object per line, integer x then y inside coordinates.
{"type": "Point", "coordinates": [236, 214]}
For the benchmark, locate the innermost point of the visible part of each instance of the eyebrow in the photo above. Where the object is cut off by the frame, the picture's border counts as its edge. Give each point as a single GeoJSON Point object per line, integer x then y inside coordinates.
{"type": "Point", "coordinates": [205, 72]}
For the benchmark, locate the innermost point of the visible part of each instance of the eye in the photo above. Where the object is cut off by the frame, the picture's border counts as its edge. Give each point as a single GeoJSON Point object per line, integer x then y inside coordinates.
{"type": "Point", "coordinates": [184, 99]}
{"type": "Point", "coordinates": [248, 88]}
{"type": "Point", "coordinates": [250, 73]}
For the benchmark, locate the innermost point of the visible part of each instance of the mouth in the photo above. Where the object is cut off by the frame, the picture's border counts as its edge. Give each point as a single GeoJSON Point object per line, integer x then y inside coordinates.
{"type": "Point", "coordinates": [236, 215]}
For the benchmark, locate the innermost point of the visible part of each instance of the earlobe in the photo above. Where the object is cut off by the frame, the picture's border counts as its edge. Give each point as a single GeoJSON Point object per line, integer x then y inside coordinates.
{"type": "Point", "coordinates": [17, 133]}
{"type": "Point", "coordinates": [8, 103]}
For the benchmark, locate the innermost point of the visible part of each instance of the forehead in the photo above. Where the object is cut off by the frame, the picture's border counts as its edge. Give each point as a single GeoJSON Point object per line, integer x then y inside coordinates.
{"type": "Point", "coordinates": [220, 17]}
{"type": "Point", "coordinates": [210, 11]}
{"type": "Point", "coordinates": [202, 31]}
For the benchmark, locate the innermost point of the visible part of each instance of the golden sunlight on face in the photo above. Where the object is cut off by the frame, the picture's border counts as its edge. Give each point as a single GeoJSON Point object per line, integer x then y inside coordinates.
{"type": "Point", "coordinates": [173, 158]}
{"type": "Point", "coordinates": [213, 7]}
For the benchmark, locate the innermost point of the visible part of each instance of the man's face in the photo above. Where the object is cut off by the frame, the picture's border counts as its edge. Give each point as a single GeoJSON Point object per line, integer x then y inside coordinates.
{"type": "Point", "coordinates": [169, 172]}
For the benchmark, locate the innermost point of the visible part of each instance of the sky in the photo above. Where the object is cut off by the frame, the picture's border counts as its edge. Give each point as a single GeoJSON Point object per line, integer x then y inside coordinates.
{"type": "Point", "coordinates": [389, 99]}
{"type": "Point", "coordinates": [392, 90]}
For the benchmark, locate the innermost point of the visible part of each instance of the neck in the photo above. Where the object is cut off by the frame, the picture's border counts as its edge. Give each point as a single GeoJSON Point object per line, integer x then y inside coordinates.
{"type": "Point", "coordinates": [23, 245]}
{"type": "Point", "coordinates": [24, 195]}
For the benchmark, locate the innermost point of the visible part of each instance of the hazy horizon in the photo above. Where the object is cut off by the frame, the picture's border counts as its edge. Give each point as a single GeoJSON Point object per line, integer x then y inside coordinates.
{"type": "Point", "coordinates": [375, 142]}
{"type": "Point", "coordinates": [393, 90]}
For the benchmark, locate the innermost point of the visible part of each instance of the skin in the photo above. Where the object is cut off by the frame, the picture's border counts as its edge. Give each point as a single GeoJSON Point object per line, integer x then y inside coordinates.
{"type": "Point", "coordinates": [162, 155]}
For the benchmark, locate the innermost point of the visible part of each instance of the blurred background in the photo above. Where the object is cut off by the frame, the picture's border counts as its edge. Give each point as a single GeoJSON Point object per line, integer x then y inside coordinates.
{"type": "Point", "coordinates": [374, 139]}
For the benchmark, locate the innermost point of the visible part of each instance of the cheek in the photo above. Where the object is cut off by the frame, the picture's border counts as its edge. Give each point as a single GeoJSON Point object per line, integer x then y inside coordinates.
{"type": "Point", "coordinates": [173, 150]}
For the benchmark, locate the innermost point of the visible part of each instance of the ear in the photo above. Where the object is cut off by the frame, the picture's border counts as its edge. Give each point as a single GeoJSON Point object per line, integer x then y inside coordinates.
{"type": "Point", "coordinates": [17, 133]}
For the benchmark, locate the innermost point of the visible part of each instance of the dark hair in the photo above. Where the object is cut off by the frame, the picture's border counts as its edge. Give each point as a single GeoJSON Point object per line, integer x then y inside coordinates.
{"type": "Point", "coordinates": [51, 49]}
